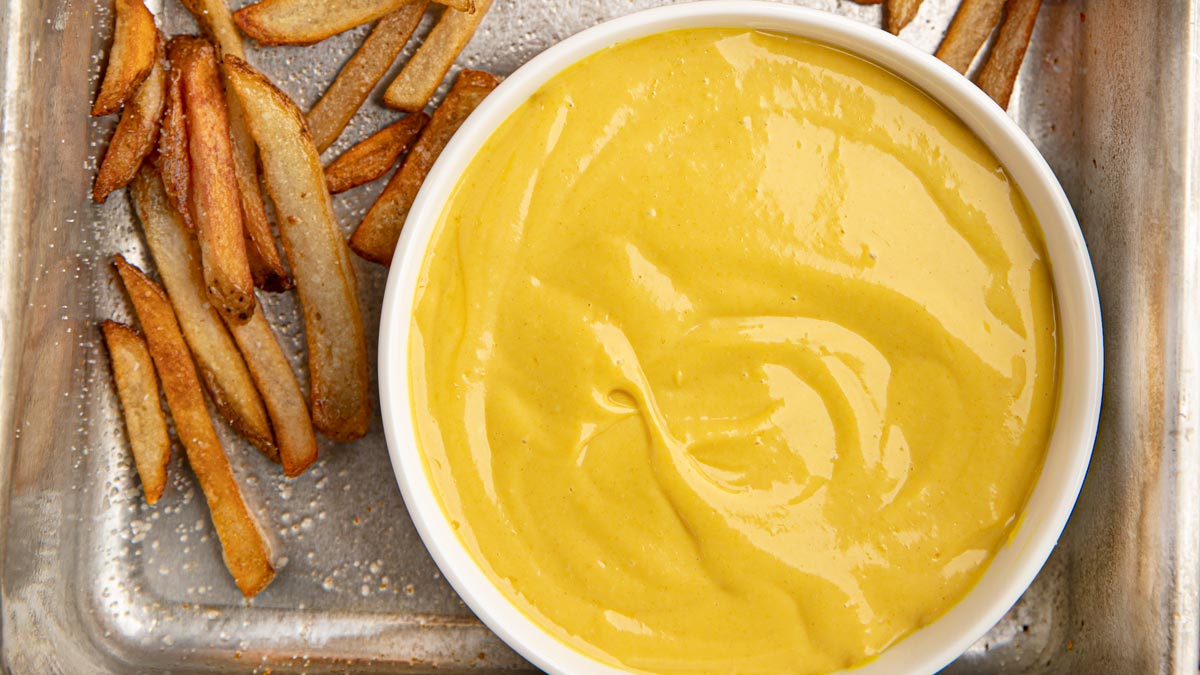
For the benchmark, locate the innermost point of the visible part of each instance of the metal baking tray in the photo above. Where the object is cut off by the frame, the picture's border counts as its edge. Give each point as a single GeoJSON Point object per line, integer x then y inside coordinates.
{"type": "Point", "coordinates": [94, 581]}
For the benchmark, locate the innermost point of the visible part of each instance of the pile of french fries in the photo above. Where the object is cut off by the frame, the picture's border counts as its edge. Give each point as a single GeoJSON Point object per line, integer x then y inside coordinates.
{"type": "Point", "coordinates": [973, 23]}
{"type": "Point", "coordinates": [201, 133]}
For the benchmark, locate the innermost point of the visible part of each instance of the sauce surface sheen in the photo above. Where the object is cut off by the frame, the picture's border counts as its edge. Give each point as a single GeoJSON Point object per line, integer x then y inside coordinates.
{"type": "Point", "coordinates": [734, 352]}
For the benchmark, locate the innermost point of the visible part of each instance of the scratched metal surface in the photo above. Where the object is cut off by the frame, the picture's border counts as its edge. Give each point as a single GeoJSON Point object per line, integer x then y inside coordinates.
{"type": "Point", "coordinates": [95, 581]}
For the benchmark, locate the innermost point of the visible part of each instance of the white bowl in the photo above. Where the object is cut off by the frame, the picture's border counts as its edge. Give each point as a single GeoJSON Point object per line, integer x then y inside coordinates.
{"type": "Point", "coordinates": [1014, 567]}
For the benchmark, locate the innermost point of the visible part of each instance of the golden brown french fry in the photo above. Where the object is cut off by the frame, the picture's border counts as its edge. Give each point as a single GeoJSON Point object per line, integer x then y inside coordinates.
{"type": "Point", "coordinates": [173, 160]}
{"type": "Point", "coordinates": [178, 260]}
{"type": "Point", "coordinates": [375, 239]}
{"type": "Point", "coordinates": [215, 198]}
{"type": "Point", "coordinates": [136, 133]}
{"type": "Point", "coordinates": [1000, 71]}
{"type": "Point", "coordinates": [416, 84]}
{"type": "Point", "coordinates": [137, 388]}
{"type": "Point", "coordinates": [365, 69]}
{"type": "Point", "coordinates": [216, 23]}
{"type": "Point", "coordinates": [372, 157]}
{"type": "Point", "coordinates": [229, 382]}
{"type": "Point", "coordinates": [899, 13]}
{"type": "Point", "coordinates": [130, 58]}
{"type": "Point", "coordinates": [973, 23]}
{"type": "Point", "coordinates": [303, 22]}
{"type": "Point", "coordinates": [266, 265]}
{"type": "Point", "coordinates": [320, 261]}
{"type": "Point", "coordinates": [281, 390]}
{"type": "Point", "coordinates": [246, 553]}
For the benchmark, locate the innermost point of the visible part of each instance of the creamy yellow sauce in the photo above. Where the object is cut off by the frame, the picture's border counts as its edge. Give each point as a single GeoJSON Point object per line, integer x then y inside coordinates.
{"type": "Point", "coordinates": [734, 353]}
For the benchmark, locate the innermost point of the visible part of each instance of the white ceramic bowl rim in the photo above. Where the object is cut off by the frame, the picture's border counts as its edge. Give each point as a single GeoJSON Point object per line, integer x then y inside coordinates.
{"type": "Point", "coordinates": [1010, 573]}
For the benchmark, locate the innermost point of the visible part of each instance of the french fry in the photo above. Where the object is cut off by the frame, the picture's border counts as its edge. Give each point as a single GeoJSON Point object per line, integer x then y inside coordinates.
{"type": "Point", "coordinates": [417, 82]}
{"type": "Point", "coordinates": [303, 22]}
{"type": "Point", "coordinates": [246, 553]}
{"type": "Point", "coordinates": [375, 239]}
{"type": "Point", "coordinates": [215, 198]}
{"type": "Point", "coordinates": [229, 382]}
{"type": "Point", "coordinates": [178, 260]}
{"type": "Point", "coordinates": [136, 134]}
{"type": "Point", "coordinates": [317, 253]}
{"type": "Point", "coordinates": [973, 23]}
{"type": "Point", "coordinates": [262, 254]}
{"type": "Point", "coordinates": [1000, 71]}
{"type": "Point", "coordinates": [281, 390]}
{"type": "Point", "coordinates": [365, 69]}
{"type": "Point", "coordinates": [173, 160]}
{"type": "Point", "coordinates": [137, 388]}
{"type": "Point", "coordinates": [216, 23]}
{"type": "Point", "coordinates": [131, 58]}
{"type": "Point", "coordinates": [899, 13]}
{"type": "Point", "coordinates": [372, 157]}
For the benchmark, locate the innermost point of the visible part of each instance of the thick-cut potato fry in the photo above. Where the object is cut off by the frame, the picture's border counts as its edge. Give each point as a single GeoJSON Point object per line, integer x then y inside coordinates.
{"type": "Point", "coordinates": [225, 375]}
{"type": "Point", "coordinates": [365, 69]}
{"type": "Point", "coordinates": [137, 387]}
{"type": "Point", "coordinates": [899, 13]}
{"type": "Point", "coordinates": [216, 23]}
{"type": "Point", "coordinates": [132, 56]}
{"type": "Point", "coordinates": [178, 260]}
{"type": "Point", "coordinates": [266, 265]}
{"type": "Point", "coordinates": [246, 553]}
{"type": "Point", "coordinates": [136, 133]}
{"type": "Point", "coordinates": [416, 84]}
{"type": "Point", "coordinates": [281, 390]}
{"type": "Point", "coordinates": [973, 23]}
{"type": "Point", "coordinates": [303, 22]}
{"type": "Point", "coordinates": [372, 157]}
{"type": "Point", "coordinates": [215, 198]}
{"type": "Point", "coordinates": [173, 160]}
{"type": "Point", "coordinates": [375, 239]}
{"type": "Point", "coordinates": [320, 261]}
{"type": "Point", "coordinates": [1000, 71]}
